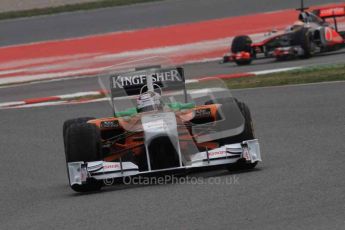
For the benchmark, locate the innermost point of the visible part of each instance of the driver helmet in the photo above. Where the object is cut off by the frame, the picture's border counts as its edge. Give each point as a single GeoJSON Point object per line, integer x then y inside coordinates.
{"type": "Point", "coordinates": [304, 17]}
{"type": "Point", "coordinates": [149, 101]}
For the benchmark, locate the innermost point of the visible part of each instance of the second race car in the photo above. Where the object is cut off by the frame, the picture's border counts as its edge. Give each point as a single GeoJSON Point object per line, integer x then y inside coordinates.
{"type": "Point", "coordinates": [313, 33]}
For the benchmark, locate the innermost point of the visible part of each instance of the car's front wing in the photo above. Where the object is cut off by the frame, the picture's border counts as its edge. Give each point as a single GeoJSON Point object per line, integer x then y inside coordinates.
{"type": "Point", "coordinates": [249, 150]}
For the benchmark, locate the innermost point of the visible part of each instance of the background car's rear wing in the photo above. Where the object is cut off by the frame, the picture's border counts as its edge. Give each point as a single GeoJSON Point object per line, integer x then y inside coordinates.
{"type": "Point", "coordinates": [330, 12]}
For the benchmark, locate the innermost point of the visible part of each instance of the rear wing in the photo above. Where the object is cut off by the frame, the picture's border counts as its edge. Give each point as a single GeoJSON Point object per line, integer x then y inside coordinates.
{"type": "Point", "coordinates": [330, 12]}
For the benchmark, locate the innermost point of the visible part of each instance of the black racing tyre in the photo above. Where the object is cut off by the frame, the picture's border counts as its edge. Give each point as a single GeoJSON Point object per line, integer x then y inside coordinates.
{"type": "Point", "coordinates": [70, 122]}
{"type": "Point", "coordinates": [303, 38]}
{"type": "Point", "coordinates": [242, 43]}
{"type": "Point", "coordinates": [91, 185]}
{"type": "Point", "coordinates": [247, 134]}
{"type": "Point", "coordinates": [83, 143]}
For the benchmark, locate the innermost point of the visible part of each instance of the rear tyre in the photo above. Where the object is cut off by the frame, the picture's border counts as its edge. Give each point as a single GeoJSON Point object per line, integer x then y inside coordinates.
{"type": "Point", "coordinates": [303, 38]}
{"type": "Point", "coordinates": [242, 43]}
{"type": "Point", "coordinates": [83, 143]}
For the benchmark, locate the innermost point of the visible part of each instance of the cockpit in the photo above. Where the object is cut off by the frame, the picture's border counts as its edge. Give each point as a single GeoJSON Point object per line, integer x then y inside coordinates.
{"type": "Point", "coordinates": [308, 17]}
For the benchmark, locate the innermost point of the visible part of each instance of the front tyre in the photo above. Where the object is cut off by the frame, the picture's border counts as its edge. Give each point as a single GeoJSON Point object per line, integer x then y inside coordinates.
{"type": "Point", "coordinates": [83, 143]}
{"type": "Point", "coordinates": [247, 134]}
{"type": "Point", "coordinates": [70, 122]}
{"type": "Point", "coordinates": [242, 43]}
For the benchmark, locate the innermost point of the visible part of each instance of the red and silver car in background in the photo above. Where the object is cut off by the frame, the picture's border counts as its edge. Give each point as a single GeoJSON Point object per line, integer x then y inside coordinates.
{"type": "Point", "coordinates": [315, 32]}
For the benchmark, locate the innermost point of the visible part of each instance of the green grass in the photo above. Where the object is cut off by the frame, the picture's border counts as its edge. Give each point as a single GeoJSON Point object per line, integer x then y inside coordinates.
{"type": "Point", "coordinates": [69, 8]}
{"type": "Point", "coordinates": [303, 76]}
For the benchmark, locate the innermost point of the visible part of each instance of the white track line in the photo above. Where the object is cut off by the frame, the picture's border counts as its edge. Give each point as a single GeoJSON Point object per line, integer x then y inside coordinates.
{"type": "Point", "coordinates": [68, 98]}
{"type": "Point", "coordinates": [263, 72]}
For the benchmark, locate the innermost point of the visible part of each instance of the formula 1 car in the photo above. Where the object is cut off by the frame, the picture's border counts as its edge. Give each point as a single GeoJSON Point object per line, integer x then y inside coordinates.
{"type": "Point", "coordinates": [310, 35]}
{"type": "Point", "coordinates": [160, 125]}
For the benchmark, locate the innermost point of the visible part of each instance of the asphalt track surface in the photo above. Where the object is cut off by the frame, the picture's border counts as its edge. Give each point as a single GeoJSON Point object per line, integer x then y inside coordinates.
{"type": "Point", "coordinates": [67, 25]}
{"type": "Point", "coordinates": [299, 185]}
